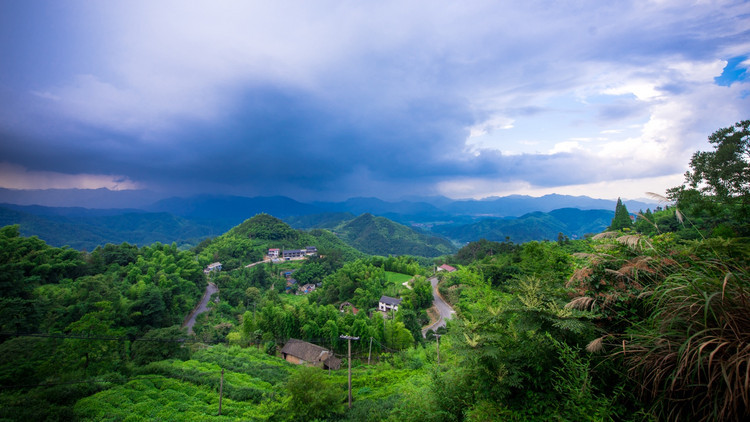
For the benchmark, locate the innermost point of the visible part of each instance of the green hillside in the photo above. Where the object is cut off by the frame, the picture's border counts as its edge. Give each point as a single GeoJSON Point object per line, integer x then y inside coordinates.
{"type": "Point", "coordinates": [380, 236]}
{"type": "Point", "coordinates": [249, 242]}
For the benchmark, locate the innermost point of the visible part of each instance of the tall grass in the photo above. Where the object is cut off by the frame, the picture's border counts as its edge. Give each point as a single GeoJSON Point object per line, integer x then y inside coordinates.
{"type": "Point", "coordinates": [692, 356]}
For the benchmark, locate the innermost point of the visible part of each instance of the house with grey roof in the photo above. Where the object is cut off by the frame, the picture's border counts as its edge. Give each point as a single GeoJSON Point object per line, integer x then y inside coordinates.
{"type": "Point", "coordinates": [301, 352]}
{"type": "Point", "coordinates": [387, 303]}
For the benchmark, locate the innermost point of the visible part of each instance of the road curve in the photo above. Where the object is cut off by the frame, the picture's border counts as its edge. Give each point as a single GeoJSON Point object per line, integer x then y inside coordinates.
{"type": "Point", "coordinates": [445, 310]}
{"type": "Point", "coordinates": [201, 308]}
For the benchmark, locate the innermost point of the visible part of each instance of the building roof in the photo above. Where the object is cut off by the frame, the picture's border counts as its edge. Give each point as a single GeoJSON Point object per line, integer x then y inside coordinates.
{"type": "Point", "coordinates": [274, 249]}
{"type": "Point", "coordinates": [345, 305]}
{"type": "Point", "coordinates": [390, 300]}
{"type": "Point", "coordinates": [447, 267]}
{"type": "Point", "coordinates": [214, 265]}
{"type": "Point", "coordinates": [311, 353]}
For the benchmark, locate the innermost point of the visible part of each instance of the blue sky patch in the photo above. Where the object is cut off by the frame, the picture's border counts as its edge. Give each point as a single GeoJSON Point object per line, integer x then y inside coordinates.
{"type": "Point", "coordinates": [733, 72]}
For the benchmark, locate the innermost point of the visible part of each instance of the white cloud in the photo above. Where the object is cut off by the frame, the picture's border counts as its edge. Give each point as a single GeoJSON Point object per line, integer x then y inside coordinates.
{"type": "Point", "coordinates": [13, 176]}
{"type": "Point", "coordinates": [570, 146]}
{"type": "Point", "coordinates": [626, 188]}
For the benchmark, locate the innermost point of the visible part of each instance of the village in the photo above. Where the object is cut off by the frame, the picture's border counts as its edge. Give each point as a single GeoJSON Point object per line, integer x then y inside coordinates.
{"type": "Point", "coordinates": [304, 353]}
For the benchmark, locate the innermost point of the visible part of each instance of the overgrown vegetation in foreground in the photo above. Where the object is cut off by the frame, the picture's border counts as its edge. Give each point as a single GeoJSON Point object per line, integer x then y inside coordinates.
{"type": "Point", "coordinates": [643, 323]}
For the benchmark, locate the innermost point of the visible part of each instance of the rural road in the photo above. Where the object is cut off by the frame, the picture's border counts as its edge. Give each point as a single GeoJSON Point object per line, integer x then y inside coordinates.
{"type": "Point", "coordinates": [446, 312]}
{"type": "Point", "coordinates": [256, 263]}
{"type": "Point", "coordinates": [201, 308]}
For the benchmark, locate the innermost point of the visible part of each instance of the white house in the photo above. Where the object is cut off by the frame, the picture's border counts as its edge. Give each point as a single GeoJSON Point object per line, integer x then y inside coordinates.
{"type": "Point", "coordinates": [216, 266]}
{"type": "Point", "coordinates": [388, 303]}
{"type": "Point", "coordinates": [273, 253]}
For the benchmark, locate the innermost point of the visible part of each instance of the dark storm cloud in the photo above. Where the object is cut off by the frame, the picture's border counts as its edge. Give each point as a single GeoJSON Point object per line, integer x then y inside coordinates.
{"type": "Point", "coordinates": [337, 99]}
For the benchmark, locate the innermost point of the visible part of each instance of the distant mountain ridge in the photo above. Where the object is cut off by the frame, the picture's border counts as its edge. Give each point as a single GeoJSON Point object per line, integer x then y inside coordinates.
{"type": "Point", "coordinates": [239, 208]}
{"type": "Point", "coordinates": [187, 220]}
{"type": "Point", "coordinates": [538, 225]}
{"type": "Point", "coordinates": [86, 229]}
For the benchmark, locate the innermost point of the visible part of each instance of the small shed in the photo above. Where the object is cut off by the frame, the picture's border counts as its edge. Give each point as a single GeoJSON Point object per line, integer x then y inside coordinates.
{"type": "Point", "coordinates": [446, 267]}
{"type": "Point", "coordinates": [301, 352]}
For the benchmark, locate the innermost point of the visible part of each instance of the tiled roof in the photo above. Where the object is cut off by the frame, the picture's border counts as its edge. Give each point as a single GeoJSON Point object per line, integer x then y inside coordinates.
{"type": "Point", "coordinates": [390, 300]}
{"type": "Point", "coordinates": [311, 353]}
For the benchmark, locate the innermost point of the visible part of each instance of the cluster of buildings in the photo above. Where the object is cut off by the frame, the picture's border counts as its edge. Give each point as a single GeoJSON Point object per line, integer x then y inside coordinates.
{"type": "Point", "coordinates": [276, 254]}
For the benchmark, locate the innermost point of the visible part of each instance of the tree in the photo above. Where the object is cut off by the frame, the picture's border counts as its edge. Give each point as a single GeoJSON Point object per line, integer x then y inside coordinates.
{"type": "Point", "coordinates": [645, 223]}
{"type": "Point", "coordinates": [724, 172]}
{"type": "Point", "coordinates": [160, 344]}
{"type": "Point", "coordinates": [314, 397]}
{"type": "Point", "coordinates": [718, 184]}
{"type": "Point", "coordinates": [621, 219]}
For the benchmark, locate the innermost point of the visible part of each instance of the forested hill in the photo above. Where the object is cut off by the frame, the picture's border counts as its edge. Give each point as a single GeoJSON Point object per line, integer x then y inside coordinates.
{"type": "Point", "coordinates": [85, 229]}
{"type": "Point", "coordinates": [380, 236]}
{"type": "Point", "coordinates": [570, 222]}
{"type": "Point", "coordinates": [250, 241]}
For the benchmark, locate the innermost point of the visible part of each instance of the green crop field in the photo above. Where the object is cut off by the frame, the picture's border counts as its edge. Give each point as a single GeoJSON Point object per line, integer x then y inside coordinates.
{"type": "Point", "coordinates": [397, 278]}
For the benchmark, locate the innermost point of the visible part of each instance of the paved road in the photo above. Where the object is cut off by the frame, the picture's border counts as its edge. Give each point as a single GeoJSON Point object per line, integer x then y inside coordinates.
{"type": "Point", "coordinates": [445, 310]}
{"type": "Point", "coordinates": [201, 308]}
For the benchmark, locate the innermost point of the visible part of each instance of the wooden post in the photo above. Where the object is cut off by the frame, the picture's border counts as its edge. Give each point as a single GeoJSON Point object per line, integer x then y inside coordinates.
{"type": "Point", "coordinates": [221, 389]}
{"type": "Point", "coordinates": [349, 338]}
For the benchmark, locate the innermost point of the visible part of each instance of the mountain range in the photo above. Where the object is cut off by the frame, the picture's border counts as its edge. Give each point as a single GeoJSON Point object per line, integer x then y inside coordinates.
{"type": "Point", "coordinates": [432, 220]}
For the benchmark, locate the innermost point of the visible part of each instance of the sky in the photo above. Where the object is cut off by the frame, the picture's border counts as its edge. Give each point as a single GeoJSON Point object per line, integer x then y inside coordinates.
{"type": "Point", "coordinates": [328, 100]}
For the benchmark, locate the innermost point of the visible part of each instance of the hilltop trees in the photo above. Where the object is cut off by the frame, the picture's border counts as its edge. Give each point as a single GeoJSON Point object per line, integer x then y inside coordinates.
{"type": "Point", "coordinates": [621, 219]}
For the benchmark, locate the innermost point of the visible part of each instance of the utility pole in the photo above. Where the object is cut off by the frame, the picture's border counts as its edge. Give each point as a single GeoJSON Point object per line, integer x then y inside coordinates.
{"type": "Point", "coordinates": [350, 338]}
{"type": "Point", "coordinates": [438, 348]}
{"type": "Point", "coordinates": [369, 352]}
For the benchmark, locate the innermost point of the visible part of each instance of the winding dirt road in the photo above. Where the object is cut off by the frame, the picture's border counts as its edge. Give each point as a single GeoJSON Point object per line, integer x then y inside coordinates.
{"type": "Point", "coordinates": [201, 308]}
{"type": "Point", "coordinates": [445, 310]}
